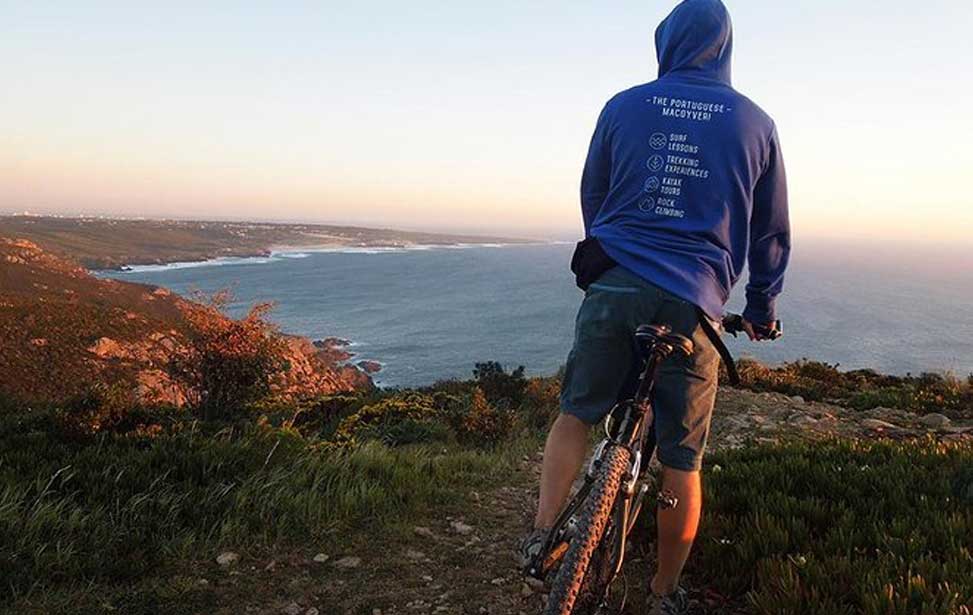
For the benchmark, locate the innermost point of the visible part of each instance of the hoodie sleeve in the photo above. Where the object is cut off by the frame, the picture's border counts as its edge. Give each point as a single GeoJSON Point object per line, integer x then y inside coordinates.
{"type": "Point", "coordinates": [770, 239]}
{"type": "Point", "coordinates": [595, 180]}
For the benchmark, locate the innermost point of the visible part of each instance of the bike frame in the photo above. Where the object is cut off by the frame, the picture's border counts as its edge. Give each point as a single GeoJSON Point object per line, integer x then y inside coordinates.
{"type": "Point", "coordinates": [629, 424]}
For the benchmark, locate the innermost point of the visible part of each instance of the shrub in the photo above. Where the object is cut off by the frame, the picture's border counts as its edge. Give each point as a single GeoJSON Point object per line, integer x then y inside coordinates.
{"type": "Point", "coordinates": [101, 407]}
{"type": "Point", "coordinates": [456, 388]}
{"type": "Point", "coordinates": [481, 423]}
{"type": "Point", "coordinates": [862, 389]}
{"type": "Point", "coordinates": [500, 387]}
{"type": "Point", "coordinates": [409, 431]}
{"type": "Point", "coordinates": [318, 418]}
{"type": "Point", "coordinates": [841, 527]}
{"type": "Point", "coordinates": [387, 415]}
{"type": "Point", "coordinates": [541, 402]}
{"type": "Point", "coordinates": [229, 363]}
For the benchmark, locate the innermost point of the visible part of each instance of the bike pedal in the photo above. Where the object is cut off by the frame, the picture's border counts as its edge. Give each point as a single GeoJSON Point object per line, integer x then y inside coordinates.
{"type": "Point", "coordinates": [667, 500]}
{"type": "Point", "coordinates": [554, 557]}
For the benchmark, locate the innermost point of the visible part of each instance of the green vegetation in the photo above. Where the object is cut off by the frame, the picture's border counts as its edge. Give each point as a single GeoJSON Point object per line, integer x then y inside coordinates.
{"type": "Point", "coordinates": [111, 507]}
{"type": "Point", "coordinates": [863, 389]}
{"type": "Point", "coordinates": [878, 528]}
{"type": "Point", "coordinates": [228, 364]}
{"type": "Point", "coordinates": [98, 498]}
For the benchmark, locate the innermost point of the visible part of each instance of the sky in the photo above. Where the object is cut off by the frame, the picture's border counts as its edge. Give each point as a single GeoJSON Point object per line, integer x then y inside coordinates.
{"type": "Point", "coordinates": [462, 116]}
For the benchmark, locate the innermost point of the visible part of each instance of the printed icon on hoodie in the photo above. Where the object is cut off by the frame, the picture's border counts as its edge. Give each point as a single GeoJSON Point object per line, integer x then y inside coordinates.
{"type": "Point", "coordinates": [655, 163]}
{"type": "Point", "coordinates": [658, 141]}
{"type": "Point", "coordinates": [647, 204]}
{"type": "Point", "coordinates": [651, 185]}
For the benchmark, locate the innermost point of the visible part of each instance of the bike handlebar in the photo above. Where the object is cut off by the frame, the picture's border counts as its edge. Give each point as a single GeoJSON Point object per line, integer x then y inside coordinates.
{"type": "Point", "coordinates": [733, 324]}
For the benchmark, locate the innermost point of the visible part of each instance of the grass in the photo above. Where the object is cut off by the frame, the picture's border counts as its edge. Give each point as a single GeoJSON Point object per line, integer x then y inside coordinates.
{"type": "Point", "coordinates": [128, 517]}
{"type": "Point", "coordinates": [877, 528]}
{"type": "Point", "coordinates": [116, 507]}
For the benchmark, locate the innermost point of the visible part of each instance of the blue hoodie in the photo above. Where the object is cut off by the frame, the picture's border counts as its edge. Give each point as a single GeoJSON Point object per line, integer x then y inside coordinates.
{"type": "Point", "coordinates": [684, 181]}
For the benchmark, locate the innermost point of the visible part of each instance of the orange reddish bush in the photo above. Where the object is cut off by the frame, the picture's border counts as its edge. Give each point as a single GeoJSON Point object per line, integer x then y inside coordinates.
{"type": "Point", "coordinates": [227, 364]}
{"type": "Point", "coordinates": [481, 422]}
{"type": "Point", "coordinates": [541, 401]}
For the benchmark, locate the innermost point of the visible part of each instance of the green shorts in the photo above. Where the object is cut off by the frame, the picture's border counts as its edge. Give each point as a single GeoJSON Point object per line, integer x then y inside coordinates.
{"type": "Point", "coordinates": [602, 368]}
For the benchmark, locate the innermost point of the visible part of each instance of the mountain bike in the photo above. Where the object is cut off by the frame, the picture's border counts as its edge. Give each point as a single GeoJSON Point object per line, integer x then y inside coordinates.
{"type": "Point", "coordinates": [585, 549]}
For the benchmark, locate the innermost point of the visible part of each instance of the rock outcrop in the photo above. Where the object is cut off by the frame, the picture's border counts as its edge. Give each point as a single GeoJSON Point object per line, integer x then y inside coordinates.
{"type": "Point", "coordinates": [743, 416]}
{"type": "Point", "coordinates": [63, 330]}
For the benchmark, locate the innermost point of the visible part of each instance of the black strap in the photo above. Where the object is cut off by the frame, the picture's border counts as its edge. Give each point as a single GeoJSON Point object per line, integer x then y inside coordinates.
{"type": "Point", "coordinates": [724, 352]}
{"type": "Point", "coordinates": [590, 261]}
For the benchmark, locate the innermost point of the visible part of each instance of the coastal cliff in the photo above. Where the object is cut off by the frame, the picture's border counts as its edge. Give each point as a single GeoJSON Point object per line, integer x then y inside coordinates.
{"type": "Point", "coordinates": [62, 330]}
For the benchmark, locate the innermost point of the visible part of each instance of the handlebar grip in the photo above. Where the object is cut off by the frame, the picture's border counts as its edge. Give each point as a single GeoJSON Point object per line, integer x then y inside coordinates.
{"type": "Point", "coordinates": [733, 324]}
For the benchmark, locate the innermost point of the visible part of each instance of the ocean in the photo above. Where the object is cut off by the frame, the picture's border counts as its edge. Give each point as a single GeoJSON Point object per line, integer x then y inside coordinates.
{"type": "Point", "coordinates": [431, 313]}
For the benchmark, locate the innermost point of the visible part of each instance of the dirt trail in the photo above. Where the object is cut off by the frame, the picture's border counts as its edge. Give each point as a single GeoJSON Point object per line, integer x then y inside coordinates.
{"type": "Point", "coordinates": [461, 561]}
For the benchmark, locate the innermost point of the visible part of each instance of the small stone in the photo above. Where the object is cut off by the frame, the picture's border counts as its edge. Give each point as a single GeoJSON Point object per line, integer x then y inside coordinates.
{"type": "Point", "coordinates": [426, 578]}
{"type": "Point", "coordinates": [425, 532]}
{"type": "Point", "coordinates": [803, 419]}
{"type": "Point", "coordinates": [526, 591]}
{"type": "Point", "coordinates": [348, 562]}
{"type": "Point", "coordinates": [935, 420]}
{"type": "Point", "coordinates": [461, 528]}
{"type": "Point", "coordinates": [415, 555]}
{"type": "Point", "coordinates": [498, 581]}
{"type": "Point", "coordinates": [312, 611]}
{"type": "Point", "coordinates": [227, 559]}
{"type": "Point", "coordinates": [292, 609]}
{"type": "Point", "coordinates": [321, 558]}
{"type": "Point", "coordinates": [376, 611]}
{"type": "Point", "coordinates": [797, 399]}
{"type": "Point", "coordinates": [957, 430]}
{"type": "Point", "coordinates": [536, 584]}
{"type": "Point", "coordinates": [270, 567]}
{"type": "Point", "coordinates": [877, 424]}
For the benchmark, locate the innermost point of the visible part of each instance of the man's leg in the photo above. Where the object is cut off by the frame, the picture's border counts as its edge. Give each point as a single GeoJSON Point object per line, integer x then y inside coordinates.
{"type": "Point", "coordinates": [677, 528]}
{"type": "Point", "coordinates": [563, 455]}
{"type": "Point", "coordinates": [684, 398]}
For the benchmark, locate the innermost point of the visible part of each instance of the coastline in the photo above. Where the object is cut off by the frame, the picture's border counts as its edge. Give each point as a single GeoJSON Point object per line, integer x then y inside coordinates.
{"type": "Point", "coordinates": [284, 251]}
{"type": "Point", "coordinates": [119, 244]}
{"type": "Point", "coordinates": [338, 350]}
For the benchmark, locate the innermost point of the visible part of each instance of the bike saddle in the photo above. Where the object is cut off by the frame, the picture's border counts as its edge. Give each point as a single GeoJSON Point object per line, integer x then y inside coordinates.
{"type": "Point", "coordinates": [653, 335]}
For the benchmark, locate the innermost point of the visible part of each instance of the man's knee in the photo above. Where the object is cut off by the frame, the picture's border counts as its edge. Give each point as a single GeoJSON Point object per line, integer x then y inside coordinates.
{"type": "Point", "coordinates": [569, 422]}
{"type": "Point", "coordinates": [683, 487]}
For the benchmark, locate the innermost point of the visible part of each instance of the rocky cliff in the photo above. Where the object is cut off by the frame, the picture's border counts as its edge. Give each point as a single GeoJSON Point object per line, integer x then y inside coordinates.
{"type": "Point", "coordinates": [61, 329]}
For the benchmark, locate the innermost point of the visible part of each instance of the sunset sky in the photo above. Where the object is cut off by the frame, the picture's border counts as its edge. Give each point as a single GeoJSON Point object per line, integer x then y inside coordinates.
{"type": "Point", "coordinates": [470, 116]}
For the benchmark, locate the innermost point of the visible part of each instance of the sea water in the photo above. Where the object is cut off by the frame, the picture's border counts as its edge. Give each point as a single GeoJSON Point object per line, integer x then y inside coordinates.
{"type": "Point", "coordinates": [432, 313]}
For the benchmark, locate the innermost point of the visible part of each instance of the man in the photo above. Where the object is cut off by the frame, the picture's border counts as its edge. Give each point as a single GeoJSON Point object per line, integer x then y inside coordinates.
{"type": "Point", "coordinates": [684, 183]}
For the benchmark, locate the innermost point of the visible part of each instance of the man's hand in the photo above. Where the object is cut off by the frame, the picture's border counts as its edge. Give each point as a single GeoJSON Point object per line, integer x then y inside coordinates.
{"type": "Point", "coordinates": [758, 333]}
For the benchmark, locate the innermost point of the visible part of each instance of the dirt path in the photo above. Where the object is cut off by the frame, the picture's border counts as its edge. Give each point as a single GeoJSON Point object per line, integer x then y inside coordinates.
{"type": "Point", "coordinates": [460, 561]}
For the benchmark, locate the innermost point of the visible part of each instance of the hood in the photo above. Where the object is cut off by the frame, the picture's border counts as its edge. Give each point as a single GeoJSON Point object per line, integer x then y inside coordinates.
{"type": "Point", "coordinates": [697, 36]}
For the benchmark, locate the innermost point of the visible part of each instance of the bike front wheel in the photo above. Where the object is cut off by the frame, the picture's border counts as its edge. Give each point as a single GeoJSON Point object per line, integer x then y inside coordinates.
{"type": "Point", "coordinates": [570, 593]}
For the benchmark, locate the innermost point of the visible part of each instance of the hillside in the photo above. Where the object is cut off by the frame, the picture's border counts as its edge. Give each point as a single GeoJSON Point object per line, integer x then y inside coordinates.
{"type": "Point", "coordinates": [100, 243]}
{"type": "Point", "coordinates": [386, 503]}
{"type": "Point", "coordinates": [62, 329]}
